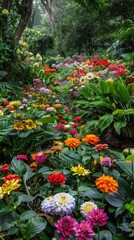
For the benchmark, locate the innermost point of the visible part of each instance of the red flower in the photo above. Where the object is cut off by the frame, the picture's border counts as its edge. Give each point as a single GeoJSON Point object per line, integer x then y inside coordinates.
{"type": "Point", "coordinates": [56, 177]}
{"type": "Point", "coordinates": [60, 115]}
{"type": "Point", "coordinates": [77, 119]}
{"type": "Point", "coordinates": [62, 120]}
{"type": "Point", "coordinates": [5, 168]}
{"type": "Point", "coordinates": [10, 177]}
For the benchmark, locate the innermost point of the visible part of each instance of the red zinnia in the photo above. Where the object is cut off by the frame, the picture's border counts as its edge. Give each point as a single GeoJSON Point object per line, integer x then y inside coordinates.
{"type": "Point", "coordinates": [5, 168]}
{"type": "Point", "coordinates": [10, 177]}
{"type": "Point", "coordinates": [77, 119]}
{"type": "Point", "coordinates": [60, 115]}
{"type": "Point", "coordinates": [62, 120]}
{"type": "Point", "coordinates": [56, 177]}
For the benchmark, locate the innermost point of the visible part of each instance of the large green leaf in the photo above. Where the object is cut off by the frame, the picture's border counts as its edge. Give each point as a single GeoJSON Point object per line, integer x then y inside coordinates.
{"type": "Point", "coordinates": [93, 193]}
{"type": "Point", "coordinates": [105, 87]}
{"type": "Point", "coordinates": [127, 167]}
{"type": "Point", "coordinates": [27, 215]}
{"type": "Point", "coordinates": [121, 92]}
{"type": "Point", "coordinates": [119, 125]}
{"type": "Point", "coordinates": [117, 199]}
{"type": "Point", "coordinates": [105, 121]}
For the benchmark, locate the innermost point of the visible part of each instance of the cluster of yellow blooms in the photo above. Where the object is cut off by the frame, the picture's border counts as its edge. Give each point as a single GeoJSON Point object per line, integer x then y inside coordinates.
{"type": "Point", "coordinates": [8, 187]}
{"type": "Point", "coordinates": [24, 124]}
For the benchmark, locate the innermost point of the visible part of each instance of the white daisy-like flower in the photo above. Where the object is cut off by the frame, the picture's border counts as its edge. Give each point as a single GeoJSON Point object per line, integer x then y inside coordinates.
{"type": "Point", "coordinates": [64, 203]}
{"type": "Point", "coordinates": [87, 207]}
{"type": "Point", "coordinates": [89, 76]}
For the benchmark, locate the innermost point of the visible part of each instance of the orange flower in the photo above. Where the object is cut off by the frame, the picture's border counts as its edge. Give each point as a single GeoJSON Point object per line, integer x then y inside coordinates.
{"type": "Point", "coordinates": [72, 142]}
{"type": "Point", "coordinates": [106, 184]}
{"type": "Point", "coordinates": [50, 70]}
{"type": "Point", "coordinates": [57, 105]}
{"type": "Point", "coordinates": [1, 108]}
{"type": "Point", "coordinates": [91, 138]}
{"type": "Point", "coordinates": [33, 165]}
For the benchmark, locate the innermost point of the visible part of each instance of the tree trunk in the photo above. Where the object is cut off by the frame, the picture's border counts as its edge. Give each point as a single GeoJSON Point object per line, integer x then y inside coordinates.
{"type": "Point", "coordinates": [7, 4]}
{"type": "Point", "coordinates": [26, 13]}
{"type": "Point", "coordinates": [48, 7]}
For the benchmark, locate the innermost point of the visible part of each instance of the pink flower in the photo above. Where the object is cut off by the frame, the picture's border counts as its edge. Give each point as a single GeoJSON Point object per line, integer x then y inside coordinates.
{"type": "Point", "coordinates": [66, 226]}
{"type": "Point", "coordinates": [84, 231]}
{"type": "Point", "coordinates": [22, 157]}
{"type": "Point", "coordinates": [37, 80]}
{"type": "Point", "coordinates": [120, 72]}
{"type": "Point", "coordinates": [106, 162]}
{"type": "Point", "coordinates": [99, 147]}
{"type": "Point", "coordinates": [60, 127]}
{"type": "Point", "coordinates": [97, 217]}
{"type": "Point", "coordinates": [75, 124]}
{"type": "Point", "coordinates": [73, 132]}
{"type": "Point", "coordinates": [75, 93]}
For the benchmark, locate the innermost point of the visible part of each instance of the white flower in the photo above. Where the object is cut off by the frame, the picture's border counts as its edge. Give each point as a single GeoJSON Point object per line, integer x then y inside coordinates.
{"type": "Point", "coordinates": [87, 207]}
{"type": "Point", "coordinates": [64, 203]}
{"type": "Point", "coordinates": [89, 76]}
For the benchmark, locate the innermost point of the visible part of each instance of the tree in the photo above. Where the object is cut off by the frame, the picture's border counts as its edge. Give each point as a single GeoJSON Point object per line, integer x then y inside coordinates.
{"type": "Point", "coordinates": [47, 4]}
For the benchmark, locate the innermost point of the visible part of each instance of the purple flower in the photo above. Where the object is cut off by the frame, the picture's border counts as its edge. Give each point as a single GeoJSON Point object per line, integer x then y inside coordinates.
{"type": "Point", "coordinates": [57, 101]}
{"type": "Point", "coordinates": [97, 217]}
{"type": "Point", "coordinates": [37, 80]}
{"type": "Point", "coordinates": [24, 101]}
{"type": "Point", "coordinates": [42, 89]}
{"type": "Point", "coordinates": [66, 226]}
{"type": "Point", "coordinates": [47, 205]}
{"type": "Point", "coordinates": [106, 162]}
{"type": "Point", "coordinates": [47, 91]}
{"type": "Point", "coordinates": [84, 231]}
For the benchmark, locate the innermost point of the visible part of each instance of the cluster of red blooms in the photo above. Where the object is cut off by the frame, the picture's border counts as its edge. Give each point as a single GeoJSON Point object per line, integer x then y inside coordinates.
{"type": "Point", "coordinates": [11, 177]}
{"type": "Point", "coordinates": [5, 168]}
{"type": "Point", "coordinates": [56, 178]}
{"type": "Point", "coordinates": [102, 62]}
{"type": "Point", "coordinates": [77, 119]}
{"type": "Point", "coordinates": [80, 70]}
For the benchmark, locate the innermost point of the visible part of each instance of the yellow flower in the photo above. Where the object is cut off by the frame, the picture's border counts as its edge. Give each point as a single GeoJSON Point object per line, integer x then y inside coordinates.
{"type": "Point", "coordinates": [15, 103]}
{"type": "Point", "coordinates": [18, 126]}
{"type": "Point", "coordinates": [30, 124]}
{"type": "Point", "coordinates": [32, 58]}
{"type": "Point", "coordinates": [1, 113]}
{"type": "Point", "coordinates": [79, 170]}
{"type": "Point", "coordinates": [110, 80]}
{"type": "Point", "coordinates": [9, 186]}
{"type": "Point", "coordinates": [5, 11]}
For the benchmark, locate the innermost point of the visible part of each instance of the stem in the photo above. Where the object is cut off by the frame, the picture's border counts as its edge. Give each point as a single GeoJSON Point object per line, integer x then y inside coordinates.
{"type": "Point", "coordinates": [98, 229]}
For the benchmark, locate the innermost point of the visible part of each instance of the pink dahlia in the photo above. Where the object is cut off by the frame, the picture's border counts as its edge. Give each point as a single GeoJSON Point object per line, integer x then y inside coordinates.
{"type": "Point", "coordinates": [66, 226]}
{"type": "Point", "coordinates": [84, 231]}
{"type": "Point", "coordinates": [97, 217]}
{"type": "Point", "coordinates": [22, 157]}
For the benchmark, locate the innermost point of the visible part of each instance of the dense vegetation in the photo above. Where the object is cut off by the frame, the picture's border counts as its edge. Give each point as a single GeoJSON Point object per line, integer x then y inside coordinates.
{"type": "Point", "coordinates": [66, 120]}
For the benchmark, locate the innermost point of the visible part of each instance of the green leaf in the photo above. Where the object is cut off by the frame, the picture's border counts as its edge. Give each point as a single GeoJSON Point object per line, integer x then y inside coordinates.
{"type": "Point", "coordinates": [127, 167]}
{"type": "Point", "coordinates": [27, 215]}
{"type": "Point", "coordinates": [117, 155]}
{"type": "Point", "coordinates": [28, 175]}
{"type": "Point", "coordinates": [104, 234]}
{"type": "Point", "coordinates": [93, 193]}
{"type": "Point", "coordinates": [18, 166]}
{"type": "Point", "coordinates": [119, 125]}
{"type": "Point", "coordinates": [105, 121]}
{"type": "Point", "coordinates": [105, 87]}
{"type": "Point", "coordinates": [12, 230]}
{"type": "Point", "coordinates": [48, 119]}
{"type": "Point", "coordinates": [35, 226]}
{"type": "Point", "coordinates": [121, 92]}
{"type": "Point", "coordinates": [83, 188]}
{"type": "Point", "coordinates": [117, 199]}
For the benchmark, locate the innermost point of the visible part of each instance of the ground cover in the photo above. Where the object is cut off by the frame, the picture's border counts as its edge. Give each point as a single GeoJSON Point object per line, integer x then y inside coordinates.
{"type": "Point", "coordinates": [60, 178]}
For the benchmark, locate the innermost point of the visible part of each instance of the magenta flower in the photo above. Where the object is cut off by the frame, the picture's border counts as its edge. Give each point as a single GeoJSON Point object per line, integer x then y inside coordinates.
{"type": "Point", "coordinates": [97, 217]}
{"type": "Point", "coordinates": [73, 132]}
{"type": "Point", "coordinates": [22, 157]}
{"type": "Point", "coordinates": [60, 127]}
{"type": "Point", "coordinates": [84, 231]}
{"type": "Point", "coordinates": [37, 80]}
{"type": "Point", "coordinates": [40, 157]}
{"type": "Point", "coordinates": [99, 147]}
{"type": "Point", "coordinates": [66, 226]}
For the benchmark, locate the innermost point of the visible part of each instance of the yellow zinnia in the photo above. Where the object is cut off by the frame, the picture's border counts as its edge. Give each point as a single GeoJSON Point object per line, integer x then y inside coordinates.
{"type": "Point", "coordinates": [18, 126]}
{"type": "Point", "coordinates": [30, 124]}
{"type": "Point", "coordinates": [9, 186]}
{"type": "Point", "coordinates": [79, 170]}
